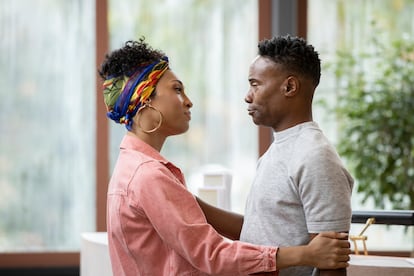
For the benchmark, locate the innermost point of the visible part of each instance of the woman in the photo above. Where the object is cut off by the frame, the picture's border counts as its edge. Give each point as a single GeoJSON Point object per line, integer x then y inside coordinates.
{"type": "Point", "coordinates": [155, 226]}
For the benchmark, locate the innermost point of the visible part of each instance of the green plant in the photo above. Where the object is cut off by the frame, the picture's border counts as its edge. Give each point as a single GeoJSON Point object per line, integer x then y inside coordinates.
{"type": "Point", "coordinates": [375, 109]}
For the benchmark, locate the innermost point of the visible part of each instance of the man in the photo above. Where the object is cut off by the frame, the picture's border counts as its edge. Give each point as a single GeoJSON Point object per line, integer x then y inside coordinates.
{"type": "Point", "coordinates": [301, 187]}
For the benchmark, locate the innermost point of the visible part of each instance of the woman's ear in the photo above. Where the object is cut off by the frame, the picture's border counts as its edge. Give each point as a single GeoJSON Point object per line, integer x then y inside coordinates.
{"type": "Point", "coordinates": [291, 86]}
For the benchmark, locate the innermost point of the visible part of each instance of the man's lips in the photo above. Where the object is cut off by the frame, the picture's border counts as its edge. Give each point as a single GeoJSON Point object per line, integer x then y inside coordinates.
{"type": "Point", "coordinates": [251, 111]}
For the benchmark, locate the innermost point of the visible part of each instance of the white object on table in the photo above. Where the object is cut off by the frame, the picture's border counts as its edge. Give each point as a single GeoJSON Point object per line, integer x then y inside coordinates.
{"type": "Point", "coordinates": [216, 189]}
{"type": "Point", "coordinates": [94, 253]}
{"type": "Point", "coordinates": [380, 266]}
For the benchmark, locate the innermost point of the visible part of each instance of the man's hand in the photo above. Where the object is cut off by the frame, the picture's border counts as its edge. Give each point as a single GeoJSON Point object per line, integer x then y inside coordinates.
{"type": "Point", "coordinates": [329, 250]}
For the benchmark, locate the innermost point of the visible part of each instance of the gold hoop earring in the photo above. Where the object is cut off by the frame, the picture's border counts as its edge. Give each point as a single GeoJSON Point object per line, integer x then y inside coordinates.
{"type": "Point", "coordinates": [147, 104]}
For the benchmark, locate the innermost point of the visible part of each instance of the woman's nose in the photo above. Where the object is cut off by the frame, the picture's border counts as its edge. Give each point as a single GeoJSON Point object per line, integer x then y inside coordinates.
{"type": "Point", "coordinates": [188, 102]}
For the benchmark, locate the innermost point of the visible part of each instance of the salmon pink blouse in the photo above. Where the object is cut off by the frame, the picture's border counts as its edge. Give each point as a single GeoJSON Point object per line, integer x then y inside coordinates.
{"type": "Point", "coordinates": [156, 227]}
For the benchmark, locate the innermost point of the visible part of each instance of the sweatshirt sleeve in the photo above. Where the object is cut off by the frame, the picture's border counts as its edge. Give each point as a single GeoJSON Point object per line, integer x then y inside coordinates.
{"type": "Point", "coordinates": [179, 221]}
{"type": "Point", "coordinates": [325, 189]}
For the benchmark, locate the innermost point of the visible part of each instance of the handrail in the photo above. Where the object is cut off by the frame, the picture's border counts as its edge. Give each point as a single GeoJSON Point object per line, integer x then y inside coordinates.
{"type": "Point", "coordinates": [392, 217]}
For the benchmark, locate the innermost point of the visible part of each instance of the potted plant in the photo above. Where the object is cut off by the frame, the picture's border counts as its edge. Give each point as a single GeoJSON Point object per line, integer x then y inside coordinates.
{"type": "Point", "coordinates": [375, 112]}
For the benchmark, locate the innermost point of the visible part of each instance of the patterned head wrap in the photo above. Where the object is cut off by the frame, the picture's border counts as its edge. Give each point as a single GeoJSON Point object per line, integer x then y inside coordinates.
{"type": "Point", "coordinates": [124, 95]}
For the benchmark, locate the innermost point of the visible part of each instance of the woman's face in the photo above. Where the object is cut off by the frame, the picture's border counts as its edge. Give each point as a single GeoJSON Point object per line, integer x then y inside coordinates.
{"type": "Point", "coordinates": [174, 105]}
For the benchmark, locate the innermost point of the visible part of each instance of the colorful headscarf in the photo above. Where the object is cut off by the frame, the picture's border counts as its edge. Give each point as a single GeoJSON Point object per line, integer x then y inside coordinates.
{"type": "Point", "coordinates": [124, 95]}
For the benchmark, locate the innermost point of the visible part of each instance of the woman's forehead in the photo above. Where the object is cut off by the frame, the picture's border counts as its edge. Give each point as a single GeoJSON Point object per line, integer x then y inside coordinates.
{"type": "Point", "coordinates": [170, 77]}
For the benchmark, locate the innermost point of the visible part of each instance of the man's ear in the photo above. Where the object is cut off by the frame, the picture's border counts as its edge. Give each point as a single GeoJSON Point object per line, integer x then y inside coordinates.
{"type": "Point", "coordinates": [291, 86]}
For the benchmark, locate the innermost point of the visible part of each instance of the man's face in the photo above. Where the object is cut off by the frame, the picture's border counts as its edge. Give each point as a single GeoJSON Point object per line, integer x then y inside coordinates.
{"type": "Point", "coordinates": [265, 98]}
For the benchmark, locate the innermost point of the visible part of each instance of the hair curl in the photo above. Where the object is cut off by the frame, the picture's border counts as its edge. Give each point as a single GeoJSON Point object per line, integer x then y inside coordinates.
{"type": "Point", "coordinates": [127, 59]}
{"type": "Point", "coordinates": [294, 54]}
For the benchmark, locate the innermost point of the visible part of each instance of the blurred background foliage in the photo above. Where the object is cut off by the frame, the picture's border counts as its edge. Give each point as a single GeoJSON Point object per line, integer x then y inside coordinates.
{"type": "Point", "coordinates": [375, 116]}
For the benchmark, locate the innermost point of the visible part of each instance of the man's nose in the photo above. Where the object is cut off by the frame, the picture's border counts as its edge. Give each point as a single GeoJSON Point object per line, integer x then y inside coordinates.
{"type": "Point", "coordinates": [249, 97]}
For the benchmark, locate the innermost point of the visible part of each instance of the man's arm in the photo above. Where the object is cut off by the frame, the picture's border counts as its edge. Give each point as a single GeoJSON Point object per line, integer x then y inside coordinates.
{"type": "Point", "coordinates": [227, 223]}
{"type": "Point", "coordinates": [330, 272]}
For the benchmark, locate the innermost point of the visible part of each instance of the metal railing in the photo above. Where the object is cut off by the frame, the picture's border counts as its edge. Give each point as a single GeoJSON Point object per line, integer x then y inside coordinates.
{"type": "Point", "coordinates": [394, 217]}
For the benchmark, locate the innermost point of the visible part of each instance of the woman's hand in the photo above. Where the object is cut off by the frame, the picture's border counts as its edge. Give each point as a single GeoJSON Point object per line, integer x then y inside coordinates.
{"type": "Point", "coordinates": [328, 250]}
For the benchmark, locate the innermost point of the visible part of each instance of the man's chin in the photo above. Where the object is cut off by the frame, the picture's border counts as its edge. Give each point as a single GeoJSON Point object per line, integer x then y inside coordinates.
{"type": "Point", "coordinates": [256, 121]}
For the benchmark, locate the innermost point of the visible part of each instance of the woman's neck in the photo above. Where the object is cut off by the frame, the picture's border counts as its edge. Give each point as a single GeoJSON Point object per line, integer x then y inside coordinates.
{"type": "Point", "coordinates": [152, 139]}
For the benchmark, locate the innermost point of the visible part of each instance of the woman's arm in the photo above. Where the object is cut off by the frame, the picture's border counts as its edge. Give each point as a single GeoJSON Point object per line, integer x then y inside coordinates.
{"type": "Point", "coordinates": [180, 223]}
{"type": "Point", "coordinates": [330, 272]}
{"type": "Point", "coordinates": [227, 223]}
{"type": "Point", "coordinates": [328, 250]}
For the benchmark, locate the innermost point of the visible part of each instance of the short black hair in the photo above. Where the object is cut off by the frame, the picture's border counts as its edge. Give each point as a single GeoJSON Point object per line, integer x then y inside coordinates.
{"type": "Point", "coordinates": [294, 54]}
{"type": "Point", "coordinates": [127, 59]}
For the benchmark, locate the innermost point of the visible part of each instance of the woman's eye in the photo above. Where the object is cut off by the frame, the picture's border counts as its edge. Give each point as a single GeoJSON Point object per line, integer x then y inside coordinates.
{"type": "Point", "coordinates": [178, 89]}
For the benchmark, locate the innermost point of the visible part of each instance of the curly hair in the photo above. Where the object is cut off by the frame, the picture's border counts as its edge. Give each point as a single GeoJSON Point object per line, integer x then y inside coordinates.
{"type": "Point", "coordinates": [127, 59]}
{"type": "Point", "coordinates": [294, 54]}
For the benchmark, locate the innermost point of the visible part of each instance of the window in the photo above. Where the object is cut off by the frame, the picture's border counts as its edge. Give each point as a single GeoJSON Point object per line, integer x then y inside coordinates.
{"type": "Point", "coordinates": [47, 124]}
{"type": "Point", "coordinates": [340, 24]}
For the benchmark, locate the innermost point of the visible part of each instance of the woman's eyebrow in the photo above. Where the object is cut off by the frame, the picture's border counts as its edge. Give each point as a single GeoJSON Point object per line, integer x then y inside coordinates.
{"type": "Point", "coordinates": [180, 82]}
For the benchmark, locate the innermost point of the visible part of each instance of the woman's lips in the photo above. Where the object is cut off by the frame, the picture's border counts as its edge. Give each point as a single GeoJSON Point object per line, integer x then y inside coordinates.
{"type": "Point", "coordinates": [188, 114]}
